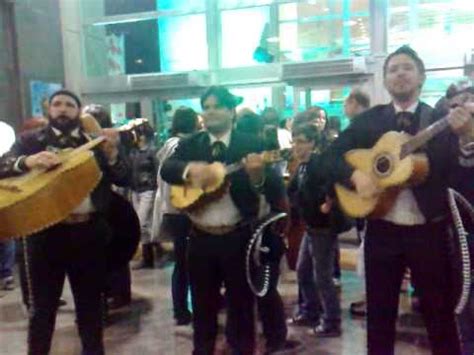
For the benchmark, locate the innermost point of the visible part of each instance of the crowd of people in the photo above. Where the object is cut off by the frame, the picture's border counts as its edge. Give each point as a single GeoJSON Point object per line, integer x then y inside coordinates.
{"type": "Point", "coordinates": [210, 238]}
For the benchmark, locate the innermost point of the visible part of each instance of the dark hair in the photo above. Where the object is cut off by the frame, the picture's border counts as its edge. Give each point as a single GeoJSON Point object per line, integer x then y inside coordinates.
{"type": "Point", "coordinates": [66, 93]}
{"type": "Point", "coordinates": [100, 114]}
{"type": "Point", "coordinates": [334, 122]}
{"type": "Point", "coordinates": [408, 51]}
{"type": "Point", "coordinates": [249, 122]}
{"type": "Point", "coordinates": [271, 116]}
{"type": "Point", "coordinates": [455, 90]}
{"type": "Point", "coordinates": [309, 131]}
{"type": "Point", "coordinates": [223, 96]}
{"type": "Point", "coordinates": [309, 115]}
{"type": "Point", "coordinates": [185, 121]}
{"type": "Point", "coordinates": [360, 97]}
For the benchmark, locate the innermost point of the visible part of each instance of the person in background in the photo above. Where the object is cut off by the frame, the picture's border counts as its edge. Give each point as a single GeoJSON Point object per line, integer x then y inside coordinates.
{"type": "Point", "coordinates": [310, 191]}
{"type": "Point", "coordinates": [144, 167]}
{"type": "Point", "coordinates": [454, 95]}
{"type": "Point", "coordinates": [118, 284]}
{"type": "Point", "coordinates": [7, 247]}
{"type": "Point", "coordinates": [101, 115]}
{"type": "Point", "coordinates": [317, 116]}
{"type": "Point", "coordinates": [275, 137]}
{"type": "Point", "coordinates": [168, 222]}
{"type": "Point", "coordinates": [356, 103]}
{"type": "Point", "coordinates": [270, 307]}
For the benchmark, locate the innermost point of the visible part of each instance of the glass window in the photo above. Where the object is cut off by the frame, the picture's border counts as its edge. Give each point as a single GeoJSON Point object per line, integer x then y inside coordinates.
{"type": "Point", "coordinates": [297, 40]}
{"type": "Point", "coordinates": [232, 4]}
{"type": "Point", "coordinates": [99, 8]}
{"type": "Point", "coordinates": [242, 32]}
{"type": "Point", "coordinates": [305, 11]}
{"type": "Point", "coordinates": [183, 43]}
{"type": "Point", "coordinates": [437, 82]}
{"type": "Point", "coordinates": [122, 48]}
{"type": "Point", "coordinates": [323, 29]}
{"type": "Point", "coordinates": [255, 98]}
{"type": "Point", "coordinates": [428, 26]}
{"type": "Point", "coordinates": [188, 5]}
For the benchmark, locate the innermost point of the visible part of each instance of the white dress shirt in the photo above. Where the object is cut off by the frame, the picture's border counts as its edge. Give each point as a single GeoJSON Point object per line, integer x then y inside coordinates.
{"type": "Point", "coordinates": [405, 210]}
{"type": "Point", "coordinates": [223, 212]}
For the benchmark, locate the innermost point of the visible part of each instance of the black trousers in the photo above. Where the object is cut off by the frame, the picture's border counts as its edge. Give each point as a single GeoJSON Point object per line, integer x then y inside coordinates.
{"type": "Point", "coordinates": [389, 249]}
{"type": "Point", "coordinates": [118, 284]}
{"type": "Point", "coordinates": [76, 251]}
{"type": "Point", "coordinates": [178, 227]}
{"type": "Point", "coordinates": [270, 307]}
{"type": "Point", "coordinates": [215, 260]}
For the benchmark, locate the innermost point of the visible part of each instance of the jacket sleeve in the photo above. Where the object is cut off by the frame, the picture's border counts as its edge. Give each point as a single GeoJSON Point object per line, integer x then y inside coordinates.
{"type": "Point", "coordinates": [334, 165]}
{"type": "Point", "coordinates": [117, 173]}
{"type": "Point", "coordinates": [172, 169]}
{"type": "Point", "coordinates": [12, 162]}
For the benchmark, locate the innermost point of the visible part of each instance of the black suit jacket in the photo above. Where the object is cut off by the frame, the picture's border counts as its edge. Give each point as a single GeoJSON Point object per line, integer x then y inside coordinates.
{"type": "Point", "coordinates": [39, 140]}
{"type": "Point", "coordinates": [245, 196]}
{"type": "Point", "coordinates": [442, 152]}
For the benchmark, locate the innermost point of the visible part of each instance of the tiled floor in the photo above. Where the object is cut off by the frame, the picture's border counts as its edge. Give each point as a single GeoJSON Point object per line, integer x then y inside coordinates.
{"type": "Point", "coordinates": [148, 328]}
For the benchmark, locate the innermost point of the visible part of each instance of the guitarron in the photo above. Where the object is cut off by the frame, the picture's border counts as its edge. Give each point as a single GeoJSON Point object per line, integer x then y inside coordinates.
{"type": "Point", "coordinates": [38, 199]}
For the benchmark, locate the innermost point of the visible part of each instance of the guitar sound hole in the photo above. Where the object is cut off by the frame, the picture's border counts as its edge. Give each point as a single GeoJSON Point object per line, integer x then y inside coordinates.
{"type": "Point", "coordinates": [383, 165]}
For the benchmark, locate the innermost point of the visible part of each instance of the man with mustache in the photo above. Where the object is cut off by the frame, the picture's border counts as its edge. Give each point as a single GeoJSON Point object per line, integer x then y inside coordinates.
{"type": "Point", "coordinates": [75, 246]}
{"type": "Point", "coordinates": [414, 231]}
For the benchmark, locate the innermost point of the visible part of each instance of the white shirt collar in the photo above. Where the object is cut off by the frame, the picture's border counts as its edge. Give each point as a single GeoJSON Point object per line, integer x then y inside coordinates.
{"type": "Point", "coordinates": [412, 108]}
{"type": "Point", "coordinates": [74, 133]}
{"type": "Point", "coordinates": [224, 139]}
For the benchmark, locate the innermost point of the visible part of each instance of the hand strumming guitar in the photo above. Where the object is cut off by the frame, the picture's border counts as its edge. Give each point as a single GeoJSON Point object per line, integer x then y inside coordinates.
{"type": "Point", "coordinates": [203, 175]}
{"type": "Point", "coordinates": [42, 160]}
{"type": "Point", "coordinates": [364, 184]}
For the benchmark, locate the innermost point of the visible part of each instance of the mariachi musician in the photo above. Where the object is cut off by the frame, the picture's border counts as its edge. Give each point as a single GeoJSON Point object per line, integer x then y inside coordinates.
{"type": "Point", "coordinates": [76, 246]}
{"type": "Point", "coordinates": [221, 231]}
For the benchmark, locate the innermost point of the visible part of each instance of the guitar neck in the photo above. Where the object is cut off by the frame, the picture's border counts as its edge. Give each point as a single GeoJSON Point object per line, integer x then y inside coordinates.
{"type": "Point", "coordinates": [269, 157]}
{"type": "Point", "coordinates": [87, 146]}
{"type": "Point", "coordinates": [424, 136]}
{"type": "Point", "coordinates": [232, 168]}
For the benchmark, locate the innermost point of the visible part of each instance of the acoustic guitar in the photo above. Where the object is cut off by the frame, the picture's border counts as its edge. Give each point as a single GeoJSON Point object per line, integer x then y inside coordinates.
{"type": "Point", "coordinates": [189, 199]}
{"type": "Point", "coordinates": [393, 164]}
{"type": "Point", "coordinates": [41, 198]}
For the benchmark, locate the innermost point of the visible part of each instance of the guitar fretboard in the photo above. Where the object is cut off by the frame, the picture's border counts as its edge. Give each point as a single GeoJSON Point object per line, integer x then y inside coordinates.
{"type": "Point", "coordinates": [422, 137]}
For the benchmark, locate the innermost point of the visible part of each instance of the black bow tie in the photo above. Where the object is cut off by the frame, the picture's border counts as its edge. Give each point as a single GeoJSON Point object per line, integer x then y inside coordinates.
{"type": "Point", "coordinates": [218, 149]}
{"type": "Point", "coordinates": [405, 120]}
{"type": "Point", "coordinates": [69, 141]}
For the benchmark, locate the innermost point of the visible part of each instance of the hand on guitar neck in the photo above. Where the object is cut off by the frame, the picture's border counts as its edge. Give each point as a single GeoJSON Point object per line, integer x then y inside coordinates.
{"type": "Point", "coordinates": [364, 184]}
{"type": "Point", "coordinates": [461, 120]}
{"type": "Point", "coordinates": [110, 145]}
{"type": "Point", "coordinates": [204, 175]}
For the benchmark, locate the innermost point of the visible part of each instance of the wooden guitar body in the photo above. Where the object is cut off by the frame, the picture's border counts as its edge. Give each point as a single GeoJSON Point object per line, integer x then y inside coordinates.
{"type": "Point", "coordinates": [189, 199]}
{"type": "Point", "coordinates": [391, 172]}
{"type": "Point", "coordinates": [36, 200]}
